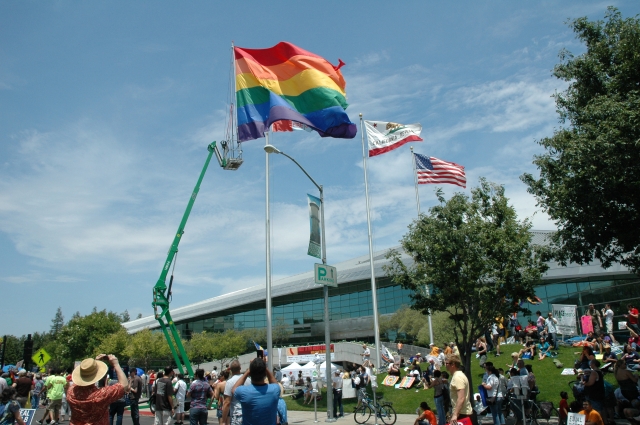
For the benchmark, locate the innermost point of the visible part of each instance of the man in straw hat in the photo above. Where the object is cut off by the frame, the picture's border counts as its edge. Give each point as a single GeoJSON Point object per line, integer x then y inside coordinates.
{"type": "Point", "coordinates": [90, 404]}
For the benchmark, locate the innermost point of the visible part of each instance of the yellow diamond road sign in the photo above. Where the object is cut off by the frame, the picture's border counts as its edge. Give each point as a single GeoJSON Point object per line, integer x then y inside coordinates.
{"type": "Point", "coordinates": [41, 357]}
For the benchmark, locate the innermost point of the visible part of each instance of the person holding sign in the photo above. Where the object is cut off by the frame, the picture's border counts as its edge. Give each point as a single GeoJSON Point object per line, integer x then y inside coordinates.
{"type": "Point", "coordinates": [592, 417]}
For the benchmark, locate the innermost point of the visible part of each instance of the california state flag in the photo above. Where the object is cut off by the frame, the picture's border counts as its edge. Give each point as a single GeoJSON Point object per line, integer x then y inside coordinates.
{"type": "Point", "coordinates": [387, 136]}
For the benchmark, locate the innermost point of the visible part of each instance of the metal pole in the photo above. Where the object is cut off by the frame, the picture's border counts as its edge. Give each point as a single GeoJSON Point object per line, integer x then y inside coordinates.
{"type": "Point", "coordinates": [374, 293]}
{"type": "Point", "coordinates": [268, 261]}
{"type": "Point", "coordinates": [415, 179]}
{"type": "Point", "coordinates": [327, 329]}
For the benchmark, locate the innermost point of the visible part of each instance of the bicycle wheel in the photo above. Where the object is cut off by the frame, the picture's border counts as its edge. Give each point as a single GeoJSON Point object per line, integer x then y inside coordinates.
{"type": "Point", "coordinates": [362, 414]}
{"type": "Point", "coordinates": [387, 414]}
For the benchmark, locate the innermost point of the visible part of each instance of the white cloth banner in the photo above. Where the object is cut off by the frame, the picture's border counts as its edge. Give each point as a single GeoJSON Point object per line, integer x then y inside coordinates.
{"type": "Point", "coordinates": [566, 315]}
{"type": "Point", "coordinates": [387, 136]}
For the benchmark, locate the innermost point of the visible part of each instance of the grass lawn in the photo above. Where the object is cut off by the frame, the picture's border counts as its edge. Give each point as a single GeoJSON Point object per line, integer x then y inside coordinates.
{"type": "Point", "coordinates": [548, 377]}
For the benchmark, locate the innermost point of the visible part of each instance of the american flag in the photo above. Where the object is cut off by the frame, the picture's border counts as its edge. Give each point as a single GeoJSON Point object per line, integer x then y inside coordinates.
{"type": "Point", "coordinates": [432, 170]}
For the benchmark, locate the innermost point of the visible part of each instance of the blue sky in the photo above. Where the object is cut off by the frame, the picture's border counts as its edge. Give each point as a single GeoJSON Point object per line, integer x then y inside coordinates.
{"type": "Point", "coordinates": [106, 109]}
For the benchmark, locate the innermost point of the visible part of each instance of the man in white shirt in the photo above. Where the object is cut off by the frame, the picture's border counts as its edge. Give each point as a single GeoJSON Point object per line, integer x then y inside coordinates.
{"type": "Point", "coordinates": [232, 410]}
{"type": "Point", "coordinates": [551, 324]}
{"type": "Point", "coordinates": [337, 395]}
{"type": "Point", "coordinates": [180, 391]}
{"type": "Point", "coordinates": [366, 353]}
{"type": "Point", "coordinates": [608, 321]}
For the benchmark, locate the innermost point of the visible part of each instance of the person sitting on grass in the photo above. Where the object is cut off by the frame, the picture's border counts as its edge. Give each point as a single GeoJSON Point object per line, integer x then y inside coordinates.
{"type": "Point", "coordinates": [514, 360]}
{"type": "Point", "coordinates": [544, 349]}
{"type": "Point", "coordinates": [529, 351]}
{"type": "Point", "coordinates": [425, 415]}
{"type": "Point", "coordinates": [531, 331]}
{"type": "Point", "coordinates": [585, 357]}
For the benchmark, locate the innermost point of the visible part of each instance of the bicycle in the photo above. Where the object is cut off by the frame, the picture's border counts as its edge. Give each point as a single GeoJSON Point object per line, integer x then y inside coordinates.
{"type": "Point", "coordinates": [384, 410]}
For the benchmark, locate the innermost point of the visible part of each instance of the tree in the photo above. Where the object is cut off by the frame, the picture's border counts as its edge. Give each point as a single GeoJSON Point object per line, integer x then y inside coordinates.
{"type": "Point", "coordinates": [415, 326]}
{"type": "Point", "coordinates": [57, 322]}
{"type": "Point", "coordinates": [589, 175]}
{"type": "Point", "coordinates": [200, 347]}
{"type": "Point", "coordinates": [476, 258]}
{"type": "Point", "coordinates": [125, 316]}
{"type": "Point", "coordinates": [116, 344]}
{"type": "Point", "coordinates": [145, 346]}
{"type": "Point", "coordinates": [139, 316]}
{"type": "Point", "coordinates": [79, 338]}
{"type": "Point", "coordinates": [228, 345]}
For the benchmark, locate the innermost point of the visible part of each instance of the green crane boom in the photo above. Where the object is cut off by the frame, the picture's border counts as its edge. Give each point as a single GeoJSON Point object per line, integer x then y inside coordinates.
{"type": "Point", "coordinates": [162, 293]}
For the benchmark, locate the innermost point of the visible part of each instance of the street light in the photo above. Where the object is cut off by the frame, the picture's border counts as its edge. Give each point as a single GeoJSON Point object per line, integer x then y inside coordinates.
{"type": "Point", "coordinates": [327, 335]}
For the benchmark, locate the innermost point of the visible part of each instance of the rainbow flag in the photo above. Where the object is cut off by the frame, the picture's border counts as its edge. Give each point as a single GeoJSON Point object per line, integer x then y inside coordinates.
{"type": "Point", "coordinates": [285, 82]}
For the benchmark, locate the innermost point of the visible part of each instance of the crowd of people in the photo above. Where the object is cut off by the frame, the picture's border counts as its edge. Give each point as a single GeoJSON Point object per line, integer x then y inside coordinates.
{"type": "Point", "coordinates": [98, 390]}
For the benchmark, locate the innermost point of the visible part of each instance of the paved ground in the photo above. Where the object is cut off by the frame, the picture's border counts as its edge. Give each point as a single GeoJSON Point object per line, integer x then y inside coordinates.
{"type": "Point", "coordinates": [297, 417]}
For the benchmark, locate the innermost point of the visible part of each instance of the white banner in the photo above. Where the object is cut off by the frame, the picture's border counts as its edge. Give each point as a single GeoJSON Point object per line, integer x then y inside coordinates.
{"type": "Point", "coordinates": [566, 315]}
{"type": "Point", "coordinates": [301, 358]}
{"type": "Point", "coordinates": [387, 136]}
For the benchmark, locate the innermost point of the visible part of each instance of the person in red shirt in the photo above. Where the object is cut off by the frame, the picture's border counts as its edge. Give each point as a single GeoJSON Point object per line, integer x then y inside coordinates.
{"type": "Point", "coordinates": [152, 379]}
{"type": "Point", "coordinates": [563, 409]}
{"type": "Point", "coordinates": [426, 417]}
{"type": "Point", "coordinates": [632, 318]}
{"type": "Point", "coordinates": [90, 404]}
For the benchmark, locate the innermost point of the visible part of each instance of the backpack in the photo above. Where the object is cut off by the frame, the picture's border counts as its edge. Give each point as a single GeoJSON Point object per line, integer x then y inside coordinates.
{"type": "Point", "coordinates": [6, 416]}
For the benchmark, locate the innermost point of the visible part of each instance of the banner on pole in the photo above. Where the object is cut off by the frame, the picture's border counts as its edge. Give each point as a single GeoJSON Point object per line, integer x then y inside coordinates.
{"type": "Point", "coordinates": [566, 315]}
{"type": "Point", "coordinates": [315, 247]}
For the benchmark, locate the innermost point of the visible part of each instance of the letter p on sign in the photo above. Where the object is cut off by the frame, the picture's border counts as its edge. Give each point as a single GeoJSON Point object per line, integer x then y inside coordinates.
{"type": "Point", "coordinates": [325, 275]}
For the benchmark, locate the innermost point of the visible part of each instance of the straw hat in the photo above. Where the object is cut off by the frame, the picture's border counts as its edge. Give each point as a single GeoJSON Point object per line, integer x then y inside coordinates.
{"type": "Point", "coordinates": [89, 372]}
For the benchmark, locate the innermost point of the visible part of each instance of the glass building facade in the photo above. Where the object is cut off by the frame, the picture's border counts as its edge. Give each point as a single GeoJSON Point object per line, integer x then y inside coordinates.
{"type": "Point", "coordinates": [300, 310]}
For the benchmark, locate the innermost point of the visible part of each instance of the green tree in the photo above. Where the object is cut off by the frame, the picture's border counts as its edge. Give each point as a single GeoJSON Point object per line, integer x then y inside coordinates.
{"type": "Point", "coordinates": [589, 175]}
{"type": "Point", "coordinates": [80, 338]}
{"type": "Point", "coordinates": [125, 316]}
{"type": "Point", "coordinates": [200, 347]}
{"type": "Point", "coordinates": [476, 258]}
{"type": "Point", "coordinates": [57, 322]}
{"type": "Point", "coordinates": [146, 346]}
{"type": "Point", "coordinates": [228, 345]}
{"type": "Point", "coordinates": [415, 326]}
{"type": "Point", "coordinates": [116, 344]}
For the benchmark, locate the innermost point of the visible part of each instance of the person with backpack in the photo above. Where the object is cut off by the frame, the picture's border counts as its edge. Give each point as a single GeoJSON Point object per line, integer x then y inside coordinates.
{"type": "Point", "coordinates": [38, 386]}
{"type": "Point", "coordinates": [10, 408]}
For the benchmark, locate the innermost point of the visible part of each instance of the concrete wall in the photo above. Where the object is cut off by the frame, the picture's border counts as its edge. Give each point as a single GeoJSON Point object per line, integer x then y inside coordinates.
{"type": "Point", "coordinates": [345, 354]}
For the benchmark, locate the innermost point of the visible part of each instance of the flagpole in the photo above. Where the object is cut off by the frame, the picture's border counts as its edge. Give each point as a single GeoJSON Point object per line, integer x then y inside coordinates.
{"type": "Point", "coordinates": [415, 179]}
{"type": "Point", "coordinates": [268, 260]}
{"type": "Point", "coordinates": [374, 292]}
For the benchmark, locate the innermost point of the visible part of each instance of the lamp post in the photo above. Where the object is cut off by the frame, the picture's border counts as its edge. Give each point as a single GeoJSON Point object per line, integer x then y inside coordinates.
{"type": "Point", "coordinates": [327, 334]}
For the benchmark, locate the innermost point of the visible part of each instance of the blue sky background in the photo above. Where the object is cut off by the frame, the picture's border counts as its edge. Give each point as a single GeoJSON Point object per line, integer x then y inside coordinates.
{"type": "Point", "coordinates": [106, 109]}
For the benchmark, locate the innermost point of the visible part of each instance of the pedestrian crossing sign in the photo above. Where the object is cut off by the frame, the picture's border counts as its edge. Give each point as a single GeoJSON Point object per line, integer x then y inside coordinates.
{"type": "Point", "coordinates": [41, 358]}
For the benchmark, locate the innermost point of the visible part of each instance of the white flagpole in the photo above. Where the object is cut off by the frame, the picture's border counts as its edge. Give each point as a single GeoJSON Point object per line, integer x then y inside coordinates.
{"type": "Point", "coordinates": [415, 179]}
{"type": "Point", "coordinates": [268, 259]}
{"type": "Point", "coordinates": [374, 293]}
